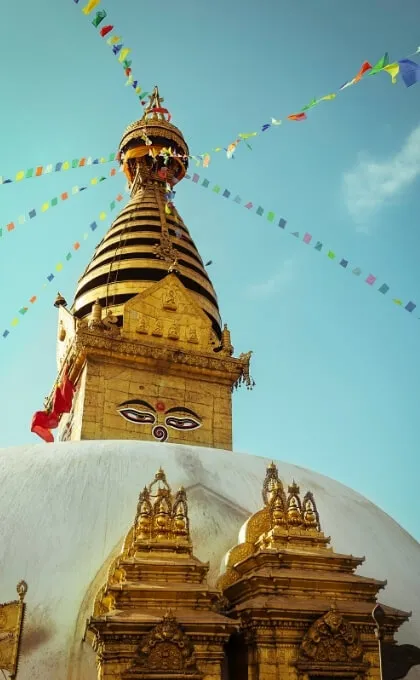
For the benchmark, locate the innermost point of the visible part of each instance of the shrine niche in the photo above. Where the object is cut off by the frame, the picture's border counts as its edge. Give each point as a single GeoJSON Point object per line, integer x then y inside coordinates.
{"type": "Point", "coordinates": [165, 652]}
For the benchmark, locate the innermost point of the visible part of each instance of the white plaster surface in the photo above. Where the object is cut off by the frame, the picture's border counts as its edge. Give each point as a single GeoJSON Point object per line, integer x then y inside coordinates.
{"type": "Point", "coordinates": [65, 508]}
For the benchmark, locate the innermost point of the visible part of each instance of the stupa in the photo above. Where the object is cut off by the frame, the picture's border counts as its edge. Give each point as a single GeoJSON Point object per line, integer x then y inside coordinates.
{"type": "Point", "coordinates": [149, 548]}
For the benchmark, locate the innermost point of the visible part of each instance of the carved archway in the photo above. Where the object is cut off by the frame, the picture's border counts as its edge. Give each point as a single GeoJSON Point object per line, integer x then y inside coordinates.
{"type": "Point", "coordinates": [166, 652]}
{"type": "Point", "coordinates": [331, 648]}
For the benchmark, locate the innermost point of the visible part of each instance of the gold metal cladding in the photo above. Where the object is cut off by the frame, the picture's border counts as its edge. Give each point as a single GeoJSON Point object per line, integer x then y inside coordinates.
{"type": "Point", "coordinates": [163, 129]}
{"type": "Point", "coordinates": [100, 258]}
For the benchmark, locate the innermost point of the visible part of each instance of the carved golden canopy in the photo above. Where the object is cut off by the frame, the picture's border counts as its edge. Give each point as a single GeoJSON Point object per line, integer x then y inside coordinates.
{"type": "Point", "coordinates": [331, 639]}
{"type": "Point", "coordinates": [165, 651]}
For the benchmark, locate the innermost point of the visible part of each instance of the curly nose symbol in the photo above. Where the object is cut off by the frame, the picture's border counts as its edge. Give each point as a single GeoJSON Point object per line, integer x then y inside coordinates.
{"type": "Point", "coordinates": [160, 433]}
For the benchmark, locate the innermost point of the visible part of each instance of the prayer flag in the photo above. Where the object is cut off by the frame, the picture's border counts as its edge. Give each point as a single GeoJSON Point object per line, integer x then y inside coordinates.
{"type": "Point", "coordinates": [23, 310]}
{"type": "Point", "coordinates": [113, 40]}
{"type": "Point", "coordinates": [205, 183]}
{"type": "Point", "coordinates": [50, 277]}
{"type": "Point", "coordinates": [226, 193]}
{"type": "Point", "coordinates": [206, 160]}
{"type": "Point", "coordinates": [124, 54]}
{"type": "Point", "coordinates": [112, 205]}
{"type": "Point", "coordinates": [54, 202]}
{"type": "Point", "coordinates": [237, 199]}
{"type": "Point", "coordinates": [117, 48]}
{"type": "Point", "coordinates": [29, 173]}
{"type": "Point", "coordinates": [100, 16]}
{"type": "Point", "coordinates": [216, 189]}
{"type": "Point", "coordinates": [33, 299]}
{"type": "Point", "coordinates": [93, 226]}
{"type": "Point", "coordinates": [265, 127]}
{"type": "Point", "coordinates": [295, 233]}
{"type": "Point", "coordinates": [66, 165]}
{"type": "Point", "coordinates": [307, 238]}
{"type": "Point", "coordinates": [260, 211]}
{"type": "Point", "coordinates": [364, 67]}
{"type": "Point", "coordinates": [58, 167]}
{"type": "Point", "coordinates": [397, 301]}
{"type": "Point", "coordinates": [21, 219]}
{"type": "Point", "coordinates": [247, 135]}
{"type": "Point", "coordinates": [282, 223]}
{"type": "Point", "coordinates": [105, 30]}
{"type": "Point", "coordinates": [344, 263]}
{"type": "Point", "coordinates": [384, 289]}
{"type": "Point", "coordinates": [248, 205]}
{"type": "Point", "coordinates": [297, 116]}
{"type": "Point", "coordinates": [327, 98]}
{"type": "Point", "coordinates": [275, 122]}
{"type": "Point", "coordinates": [331, 255]}
{"type": "Point", "coordinates": [68, 256]}
{"type": "Point", "coordinates": [357, 271]}
{"type": "Point", "coordinates": [59, 267]}
{"type": "Point", "coordinates": [14, 322]}
{"type": "Point", "coordinates": [102, 216]}
{"type": "Point", "coordinates": [64, 196]}
{"type": "Point", "coordinates": [270, 216]}
{"type": "Point", "coordinates": [410, 306]}
{"type": "Point", "coordinates": [90, 6]}
{"type": "Point", "coordinates": [384, 61]}
{"type": "Point", "coordinates": [195, 178]}
{"type": "Point", "coordinates": [120, 197]}
{"type": "Point", "coordinates": [410, 72]}
{"type": "Point", "coordinates": [6, 333]}
{"type": "Point", "coordinates": [75, 163]}
{"type": "Point", "coordinates": [20, 175]}
{"type": "Point", "coordinates": [32, 213]}
{"type": "Point", "coordinates": [371, 280]}
{"type": "Point", "coordinates": [38, 171]}
{"type": "Point", "coordinates": [10, 226]}
{"type": "Point", "coordinates": [311, 104]}
{"type": "Point", "coordinates": [76, 245]}
{"type": "Point", "coordinates": [393, 70]}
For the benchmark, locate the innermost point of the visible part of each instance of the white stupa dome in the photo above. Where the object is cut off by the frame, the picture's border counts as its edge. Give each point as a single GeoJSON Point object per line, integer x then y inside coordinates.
{"type": "Point", "coordinates": [67, 507]}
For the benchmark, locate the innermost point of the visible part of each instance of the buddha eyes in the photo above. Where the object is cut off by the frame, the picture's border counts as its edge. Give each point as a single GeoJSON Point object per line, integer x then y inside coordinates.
{"type": "Point", "coordinates": [182, 423]}
{"type": "Point", "coordinates": [140, 417]}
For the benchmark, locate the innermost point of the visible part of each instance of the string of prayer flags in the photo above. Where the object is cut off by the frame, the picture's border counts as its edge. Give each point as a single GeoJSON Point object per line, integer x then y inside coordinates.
{"type": "Point", "coordinates": [59, 266]}
{"type": "Point", "coordinates": [117, 45]}
{"type": "Point", "coordinates": [410, 74]}
{"type": "Point", "coordinates": [61, 166]}
{"type": "Point", "coordinates": [31, 214]}
{"type": "Point", "coordinates": [307, 238]}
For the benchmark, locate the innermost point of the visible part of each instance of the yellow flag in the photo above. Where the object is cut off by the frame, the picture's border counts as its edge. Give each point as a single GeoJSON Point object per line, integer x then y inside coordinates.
{"type": "Point", "coordinates": [247, 135]}
{"type": "Point", "coordinates": [15, 322]}
{"type": "Point", "coordinates": [20, 175]}
{"type": "Point", "coordinates": [124, 54]}
{"type": "Point", "coordinates": [327, 97]}
{"type": "Point", "coordinates": [102, 216]}
{"type": "Point", "coordinates": [94, 180]}
{"type": "Point", "coordinates": [59, 267]}
{"type": "Point", "coordinates": [90, 6]}
{"type": "Point", "coordinates": [393, 70]}
{"type": "Point", "coordinates": [45, 207]}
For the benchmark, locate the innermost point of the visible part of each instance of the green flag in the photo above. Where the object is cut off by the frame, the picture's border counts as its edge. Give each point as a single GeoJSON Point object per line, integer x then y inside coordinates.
{"type": "Point", "coordinates": [380, 65]}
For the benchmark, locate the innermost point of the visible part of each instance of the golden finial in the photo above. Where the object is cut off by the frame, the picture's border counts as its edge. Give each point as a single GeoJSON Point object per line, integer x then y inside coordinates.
{"type": "Point", "coordinates": [22, 589]}
{"type": "Point", "coordinates": [155, 102]}
{"type": "Point", "coordinates": [60, 301]}
{"type": "Point", "coordinates": [293, 488]}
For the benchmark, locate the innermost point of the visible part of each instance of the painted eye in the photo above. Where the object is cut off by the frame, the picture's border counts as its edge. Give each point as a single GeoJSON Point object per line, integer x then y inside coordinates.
{"type": "Point", "coordinates": [138, 417]}
{"type": "Point", "coordinates": [182, 423]}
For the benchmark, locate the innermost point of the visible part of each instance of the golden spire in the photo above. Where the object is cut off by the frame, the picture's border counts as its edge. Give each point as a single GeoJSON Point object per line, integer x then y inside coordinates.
{"type": "Point", "coordinates": [155, 102]}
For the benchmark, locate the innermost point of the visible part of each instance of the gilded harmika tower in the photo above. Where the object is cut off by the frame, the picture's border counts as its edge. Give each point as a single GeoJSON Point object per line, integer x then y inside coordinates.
{"type": "Point", "coordinates": [143, 342]}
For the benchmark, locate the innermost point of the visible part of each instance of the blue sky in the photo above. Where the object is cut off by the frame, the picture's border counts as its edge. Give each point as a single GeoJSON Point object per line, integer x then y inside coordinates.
{"type": "Point", "coordinates": [336, 363]}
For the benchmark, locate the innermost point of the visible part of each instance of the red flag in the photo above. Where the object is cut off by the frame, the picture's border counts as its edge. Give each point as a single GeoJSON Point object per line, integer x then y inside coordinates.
{"type": "Point", "coordinates": [160, 110]}
{"type": "Point", "coordinates": [43, 423]}
{"type": "Point", "coordinates": [105, 30]}
{"type": "Point", "coordinates": [297, 116]}
{"type": "Point", "coordinates": [365, 67]}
